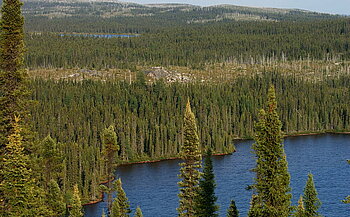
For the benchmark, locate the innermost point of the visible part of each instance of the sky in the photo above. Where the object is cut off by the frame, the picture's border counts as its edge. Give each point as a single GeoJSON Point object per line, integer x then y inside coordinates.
{"type": "Point", "coordinates": [326, 6]}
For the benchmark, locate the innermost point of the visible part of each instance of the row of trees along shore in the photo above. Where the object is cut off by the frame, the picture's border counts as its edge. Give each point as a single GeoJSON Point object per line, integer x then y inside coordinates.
{"type": "Point", "coordinates": [147, 118]}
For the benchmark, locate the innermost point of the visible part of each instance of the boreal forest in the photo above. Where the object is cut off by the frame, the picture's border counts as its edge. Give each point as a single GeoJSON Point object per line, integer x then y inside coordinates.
{"type": "Point", "coordinates": [87, 86]}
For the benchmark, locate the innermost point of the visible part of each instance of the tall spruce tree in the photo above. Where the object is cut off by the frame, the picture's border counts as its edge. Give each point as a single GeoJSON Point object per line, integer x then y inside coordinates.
{"type": "Point", "coordinates": [189, 172]}
{"type": "Point", "coordinates": [311, 201]}
{"type": "Point", "coordinates": [206, 200]}
{"type": "Point", "coordinates": [13, 90]}
{"type": "Point", "coordinates": [121, 205]}
{"type": "Point", "coordinates": [272, 176]}
{"type": "Point", "coordinates": [232, 210]}
{"type": "Point", "coordinates": [19, 191]}
{"type": "Point", "coordinates": [76, 207]}
{"type": "Point", "coordinates": [54, 199]}
{"type": "Point", "coordinates": [110, 148]}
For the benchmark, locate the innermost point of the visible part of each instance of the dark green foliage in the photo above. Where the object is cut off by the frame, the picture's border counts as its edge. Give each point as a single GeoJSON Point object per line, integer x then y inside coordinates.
{"type": "Point", "coordinates": [206, 200]}
{"type": "Point", "coordinates": [310, 199]}
{"type": "Point", "coordinates": [148, 120]}
{"type": "Point", "coordinates": [76, 207]}
{"type": "Point", "coordinates": [19, 192]}
{"type": "Point", "coordinates": [195, 45]}
{"type": "Point", "coordinates": [12, 76]}
{"type": "Point", "coordinates": [51, 160]}
{"type": "Point", "coordinates": [54, 199]}
{"type": "Point", "coordinates": [232, 210]}
{"type": "Point", "coordinates": [272, 176]}
{"type": "Point", "coordinates": [11, 43]}
{"type": "Point", "coordinates": [189, 173]}
{"type": "Point", "coordinates": [121, 205]}
{"type": "Point", "coordinates": [138, 212]}
{"type": "Point", "coordinates": [110, 148]}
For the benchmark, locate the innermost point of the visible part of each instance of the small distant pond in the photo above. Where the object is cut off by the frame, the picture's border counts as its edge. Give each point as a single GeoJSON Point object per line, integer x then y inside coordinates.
{"type": "Point", "coordinates": [154, 188]}
{"type": "Point", "coordinates": [100, 35]}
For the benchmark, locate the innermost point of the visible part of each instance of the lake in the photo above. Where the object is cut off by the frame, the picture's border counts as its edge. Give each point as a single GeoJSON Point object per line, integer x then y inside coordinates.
{"type": "Point", "coordinates": [100, 35]}
{"type": "Point", "coordinates": [154, 186]}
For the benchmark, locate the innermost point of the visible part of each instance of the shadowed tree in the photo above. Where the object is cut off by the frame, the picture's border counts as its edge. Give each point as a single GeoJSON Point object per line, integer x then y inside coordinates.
{"type": "Point", "coordinates": [272, 176]}
{"type": "Point", "coordinates": [52, 160]}
{"type": "Point", "coordinates": [121, 205]}
{"type": "Point", "coordinates": [110, 148]}
{"type": "Point", "coordinates": [232, 210]}
{"type": "Point", "coordinates": [206, 200]}
{"type": "Point", "coordinates": [189, 172]}
{"type": "Point", "coordinates": [54, 199]}
{"type": "Point", "coordinates": [13, 90]}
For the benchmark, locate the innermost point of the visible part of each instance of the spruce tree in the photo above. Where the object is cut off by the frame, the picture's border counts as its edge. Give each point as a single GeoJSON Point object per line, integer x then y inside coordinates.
{"type": "Point", "coordinates": [300, 210]}
{"type": "Point", "coordinates": [206, 200]}
{"type": "Point", "coordinates": [19, 191]}
{"type": "Point", "coordinates": [138, 212]}
{"type": "Point", "coordinates": [110, 148]}
{"type": "Point", "coordinates": [272, 176]}
{"type": "Point", "coordinates": [232, 210]}
{"type": "Point", "coordinates": [52, 160]}
{"type": "Point", "coordinates": [76, 207]}
{"type": "Point", "coordinates": [54, 199]}
{"type": "Point", "coordinates": [189, 172]}
{"type": "Point", "coordinates": [13, 90]}
{"type": "Point", "coordinates": [121, 205]}
{"type": "Point", "coordinates": [311, 201]}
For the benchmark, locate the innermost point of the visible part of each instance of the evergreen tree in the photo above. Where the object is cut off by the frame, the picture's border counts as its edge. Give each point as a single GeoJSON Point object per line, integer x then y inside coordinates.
{"type": "Point", "coordinates": [232, 210]}
{"type": "Point", "coordinates": [189, 172]}
{"type": "Point", "coordinates": [255, 209]}
{"type": "Point", "coordinates": [54, 199]}
{"type": "Point", "coordinates": [206, 200]}
{"type": "Point", "coordinates": [12, 77]}
{"type": "Point", "coordinates": [52, 160]}
{"type": "Point", "coordinates": [300, 210]}
{"type": "Point", "coordinates": [311, 201]}
{"type": "Point", "coordinates": [110, 148]}
{"type": "Point", "coordinates": [272, 176]}
{"type": "Point", "coordinates": [138, 212]}
{"type": "Point", "coordinates": [19, 191]}
{"type": "Point", "coordinates": [121, 205]}
{"type": "Point", "coordinates": [76, 207]}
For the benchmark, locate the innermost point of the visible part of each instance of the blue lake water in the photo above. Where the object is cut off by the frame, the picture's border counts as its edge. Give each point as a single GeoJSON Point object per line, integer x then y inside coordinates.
{"type": "Point", "coordinates": [154, 186]}
{"type": "Point", "coordinates": [100, 35]}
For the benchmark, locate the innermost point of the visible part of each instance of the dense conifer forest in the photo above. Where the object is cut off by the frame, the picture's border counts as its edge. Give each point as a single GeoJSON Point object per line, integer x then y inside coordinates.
{"type": "Point", "coordinates": [67, 133]}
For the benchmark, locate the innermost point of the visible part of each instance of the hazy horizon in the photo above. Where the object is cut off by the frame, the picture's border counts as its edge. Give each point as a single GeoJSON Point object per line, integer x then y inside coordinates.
{"type": "Point", "coordinates": [326, 6]}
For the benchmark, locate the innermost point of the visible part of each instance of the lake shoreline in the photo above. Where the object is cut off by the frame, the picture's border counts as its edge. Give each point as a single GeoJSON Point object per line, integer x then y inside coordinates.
{"type": "Point", "coordinates": [100, 199]}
